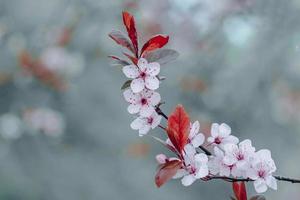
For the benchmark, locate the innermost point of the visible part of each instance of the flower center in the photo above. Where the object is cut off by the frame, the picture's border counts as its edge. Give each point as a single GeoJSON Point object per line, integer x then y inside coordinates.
{"type": "Point", "coordinates": [240, 156]}
{"type": "Point", "coordinates": [150, 120]}
{"type": "Point", "coordinates": [261, 174]}
{"type": "Point", "coordinates": [143, 74]}
{"type": "Point", "coordinates": [218, 140]}
{"type": "Point", "coordinates": [143, 101]}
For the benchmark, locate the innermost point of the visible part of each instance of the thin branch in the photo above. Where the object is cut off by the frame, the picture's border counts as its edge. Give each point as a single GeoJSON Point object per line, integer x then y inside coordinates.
{"type": "Point", "coordinates": [160, 112]}
{"type": "Point", "coordinates": [207, 152]}
{"type": "Point", "coordinates": [230, 179]}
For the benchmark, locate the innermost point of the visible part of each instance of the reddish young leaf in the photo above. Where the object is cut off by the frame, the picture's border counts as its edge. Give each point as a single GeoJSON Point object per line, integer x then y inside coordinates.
{"type": "Point", "coordinates": [129, 23]}
{"type": "Point", "coordinates": [166, 171]}
{"type": "Point", "coordinates": [118, 61]}
{"type": "Point", "coordinates": [258, 197]}
{"type": "Point", "coordinates": [133, 59]}
{"type": "Point", "coordinates": [121, 39]}
{"type": "Point", "coordinates": [155, 42]}
{"type": "Point", "coordinates": [240, 190]}
{"type": "Point", "coordinates": [178, 128]}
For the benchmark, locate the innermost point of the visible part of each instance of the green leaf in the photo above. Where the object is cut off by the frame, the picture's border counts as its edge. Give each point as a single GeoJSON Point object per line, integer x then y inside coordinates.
{"type": "Point", "coordinates": [126, 85]}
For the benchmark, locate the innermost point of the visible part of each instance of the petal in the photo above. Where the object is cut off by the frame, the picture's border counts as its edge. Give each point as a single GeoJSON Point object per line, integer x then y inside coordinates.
{"type": "Point", "coordinates": [260, 185]}
{"type": "Point", "coordinates": [252, 174]}
{"type": "Point", "coordinates": [236, 172]}
{"type": "Point", "coordinates": [144, 130]}
{"type": "Point", "coordinates": [130, 97]}
{"type": "Point", "coordinates": [154, 99]}
{"type": "Point", "coordinates": [161, 158]}
{"type": "Point", "coordinates": [195, 129]}
{"type": "Point", "coordinates": [188, 180]}
{"type": "Point", "coordinates": [231, 139]}
{"type": "Point", "coordinates": [203, 172]}
{"type": "Point", "coordinates": [264, 154]}
{"type": "Point", "coordinates": [137, 85]}
{"type": "Point", "coordinates": [229, 160]}
{"type": "Point", "coordinates": [189, 150]}
{"type": "Point", "coordinates": [180, 173]}
{"type": "Point", "coordinates": [201, 158]}
{"type": "Point", "coordinates": [142, 63]}
{"type": "Point", "coordinates": [156, 120]}
{"type": "Point", "coordinates": [224, 129]}
{"type": "Point", "coordinates": [146, 110]}
{"type": "Point", "coordinates": [152, 82]}
{"type": "Point", "coordinates": [137, 123]}
{"type": "Point", "coordinates": [198, 140]}
{"type": "Point", "coordinates": [210, 139]}
{"type": "Point", "coordinates": [153, 69]}
{"type": "Point", "coordinates": [215, 130]}
{"type": "Point", "coordinates": [134, 108]}
{"type": "Point", "coordinates": [224, 171]}
{"type": "Point", "coordinates": [231, 148]}
{"type": "Point", "coordinates": [131, 71]}
{"type": "Point", "coordinates": [271, 182]}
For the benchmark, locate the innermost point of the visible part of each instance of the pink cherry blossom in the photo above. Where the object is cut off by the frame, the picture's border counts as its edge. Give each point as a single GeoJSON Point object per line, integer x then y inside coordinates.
{"type": "Point", "coordinates": [144, 124]}
{"type": "Point", "coordinates": [262, 168]}
{"type": "Point", "coordinates": [216, 164]}
{"type": "Point", "coordinates": [143, 75]}
{"type": "Point", "coordinates": [143, 102]}
{"type": "Point", "coordinates": [195, 166]}
{"type": "Point", "coordinates": [239, 155]}
{"type": "Point", "coordinates": [220, 135]}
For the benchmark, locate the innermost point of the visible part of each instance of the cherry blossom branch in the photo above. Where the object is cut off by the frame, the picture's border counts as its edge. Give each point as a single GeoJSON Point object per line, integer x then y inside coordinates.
{"type": "Point", "coordinates": [230, 179]}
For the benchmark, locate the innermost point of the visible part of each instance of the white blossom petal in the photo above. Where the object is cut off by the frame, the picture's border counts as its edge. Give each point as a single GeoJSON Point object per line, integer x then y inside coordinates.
{"type": "Point", "coordinates": [180, 173]}
{"type": "Point", "coordinates": [154, 99]}
{"type": "Point", "coordinates": [260, 185]}
{"type": "Point", "coordinates": [224, 130]}
{"type": "Point", "coordinates": [156, 120]}
{"type": "Point", "coordinates": [131, 71]}
{"type": "Point", "coordinates": [271, 182]}
{"type": "Point", "coordinates": [137, 123]}
{"type": "Point", "coordinates": [146, 110]}
{"type": "Point", "coordinates": [142, 64]}
{"type": "Point", "coordinates": [131, 97]}
{"type": "Point", "coordinates": [152, 82]}
{"type": "Point", "coordinates": [188, 180]}
{"type": "Point", "coordinates": [137, 85]}
{"type": "Point", "coordinates": [201, 157]}
{"type": "Point", "coordinates": [134, 108]}
{"type": "Point", "coordinates": [144, 130]}
{"type": "Point", "coordinates": [153, 69]}
{"type": "Point", "coordinates": [194, 129]}
{"type": "Point", "coordinates": [231, 139]}
{"type": "Point", "coordinates": [198, 140]}
{"type": "Point", "coordinates": [215, 130]}
{"type": "Point", "coordinates": [161, 158]}
{"type": "Point", "coordinates": [203, 172]}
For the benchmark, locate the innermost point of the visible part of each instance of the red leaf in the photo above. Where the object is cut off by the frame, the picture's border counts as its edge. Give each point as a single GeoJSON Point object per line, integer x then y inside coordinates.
{"type": "Point", "coordinates": [133, 59]}
{"type": "Point", "coordinates": [118, 61]}
{"type": "Point", "coordinates": [129, 23]}
{"type": "Point", "coordinates": [121, 39]}
{"type": "Point", "coordinates": [178, 128]}
{"type": "Point", "coordinates": [155, 42]}
{"type": "Point", "coordinates": [166, 171]}
{"type": "Point", "coordinates": [240, 190]}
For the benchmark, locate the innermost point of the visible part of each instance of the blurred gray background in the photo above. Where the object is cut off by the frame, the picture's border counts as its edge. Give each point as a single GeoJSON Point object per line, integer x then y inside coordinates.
{"type": "Point", "coordinates": [239, 64]}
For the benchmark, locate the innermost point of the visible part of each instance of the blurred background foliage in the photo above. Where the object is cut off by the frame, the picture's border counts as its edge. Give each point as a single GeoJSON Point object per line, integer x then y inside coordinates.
{"type": "Point", "coordinates": [64, 126]}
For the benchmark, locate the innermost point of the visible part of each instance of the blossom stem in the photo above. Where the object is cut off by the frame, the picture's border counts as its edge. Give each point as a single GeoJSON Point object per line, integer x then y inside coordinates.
{"type": "Point", "coordinates": [230, 179]}
{"type": "Point", "coordinates": [160, 112]}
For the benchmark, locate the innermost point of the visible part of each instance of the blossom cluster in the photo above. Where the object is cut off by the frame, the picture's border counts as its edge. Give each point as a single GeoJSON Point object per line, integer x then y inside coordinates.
{"type": "Point", "coordinates": [143, 73]}
{"type": "Point", "coordinates": [230, 158]}
{"type": "Point", "coordinates": [141, 95]}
